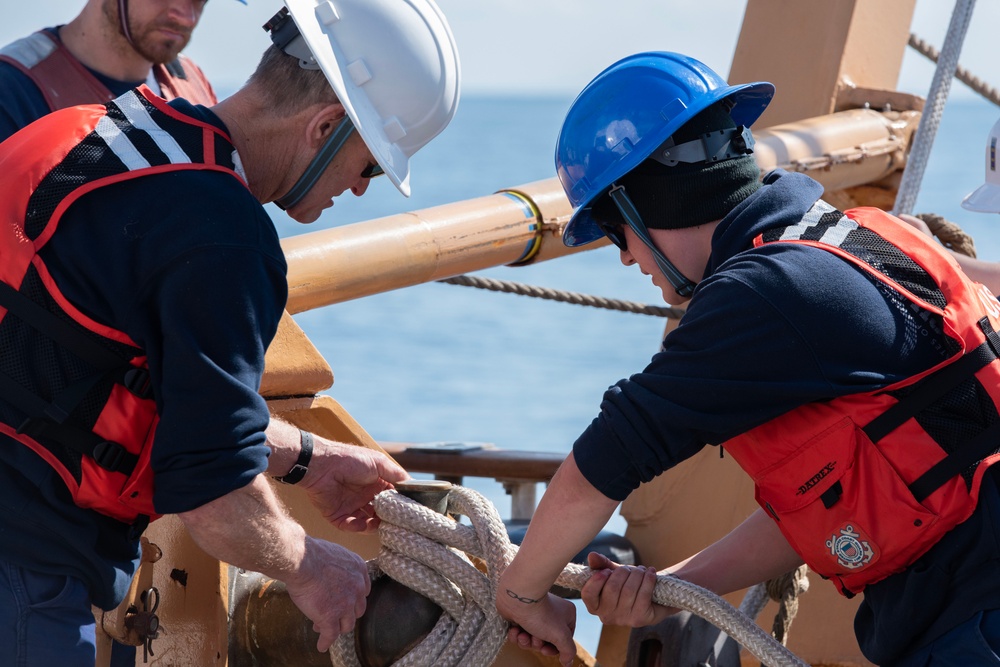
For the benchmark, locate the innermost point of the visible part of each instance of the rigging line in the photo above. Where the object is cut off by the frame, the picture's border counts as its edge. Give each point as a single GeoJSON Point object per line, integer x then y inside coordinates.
{"type": "Point", "coordinates": [916, 162]}
{"type": "Point", "coordinates": [560, 295]}
{"type": "Point", "coordinates": [965, 76]}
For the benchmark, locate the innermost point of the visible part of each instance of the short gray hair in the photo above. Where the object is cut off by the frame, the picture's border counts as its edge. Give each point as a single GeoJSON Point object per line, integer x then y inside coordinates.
{"type": "Point", "coordinates": [286, 86]}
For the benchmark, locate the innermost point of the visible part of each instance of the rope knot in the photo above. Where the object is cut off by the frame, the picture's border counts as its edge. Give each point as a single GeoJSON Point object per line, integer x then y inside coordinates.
{"type": "Point", "coordinates": [433, 555]}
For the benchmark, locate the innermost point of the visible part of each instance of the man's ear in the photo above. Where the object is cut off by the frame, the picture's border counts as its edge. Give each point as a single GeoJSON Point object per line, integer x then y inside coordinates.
{"type": "Point", "coordinates": [323, 122]}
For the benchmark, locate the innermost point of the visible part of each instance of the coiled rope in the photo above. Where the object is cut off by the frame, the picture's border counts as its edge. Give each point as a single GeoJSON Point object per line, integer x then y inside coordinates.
{"type": "Point", "coordinates": [430, 553]}
{"type": "Point", "coordinates": [930, 119]}
{"type": "Point", "coordinates": [560, 295]}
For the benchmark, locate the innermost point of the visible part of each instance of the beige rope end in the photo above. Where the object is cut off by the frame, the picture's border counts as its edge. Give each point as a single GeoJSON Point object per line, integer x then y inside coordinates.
{"type": "Point", "coordinates": [949, 233]}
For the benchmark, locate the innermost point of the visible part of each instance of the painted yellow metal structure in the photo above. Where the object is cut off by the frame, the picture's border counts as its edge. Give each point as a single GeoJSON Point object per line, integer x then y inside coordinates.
{"type": "Point", "coordinates": [836, 117]}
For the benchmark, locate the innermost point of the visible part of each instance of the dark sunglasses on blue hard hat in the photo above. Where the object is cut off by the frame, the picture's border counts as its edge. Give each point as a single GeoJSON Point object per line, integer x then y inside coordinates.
{"type": "Point", "coordinates": [372, 170]}
{"type": "Point", "coordinates": [615, 232]}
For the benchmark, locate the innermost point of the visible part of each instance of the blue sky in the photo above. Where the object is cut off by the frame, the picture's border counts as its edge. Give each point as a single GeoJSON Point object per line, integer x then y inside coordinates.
{"type": "Point", "coordinates": [547, 46]}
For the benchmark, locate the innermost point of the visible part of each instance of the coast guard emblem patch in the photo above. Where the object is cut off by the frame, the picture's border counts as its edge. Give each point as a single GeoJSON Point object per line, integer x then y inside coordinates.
{"type": "Point", "coordinates": [850, 548]}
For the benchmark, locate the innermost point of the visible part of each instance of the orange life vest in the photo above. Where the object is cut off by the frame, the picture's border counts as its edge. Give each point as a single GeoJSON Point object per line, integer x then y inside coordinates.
{"type": "Point", "coordinates": [863, 485]}
{"type": "Point", "coordinates": [65, 82]}
{"type": "Point", "coordinates": [74, 390]}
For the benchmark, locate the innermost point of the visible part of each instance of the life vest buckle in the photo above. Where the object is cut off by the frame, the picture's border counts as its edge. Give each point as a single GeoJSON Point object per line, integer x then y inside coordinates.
{"type": "Point", "coordinates": [110, 455]}
{"type": "Point", "coordinates": [136, 380]}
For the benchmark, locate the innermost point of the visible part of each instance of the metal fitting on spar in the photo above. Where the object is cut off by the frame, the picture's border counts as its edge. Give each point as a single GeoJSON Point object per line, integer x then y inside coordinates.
{"type": "Point", "coordinates": [530, 211]}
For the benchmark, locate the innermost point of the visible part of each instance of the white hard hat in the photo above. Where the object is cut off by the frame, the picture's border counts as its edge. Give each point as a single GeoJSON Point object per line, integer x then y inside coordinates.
{"type": "Point", "coordinates": [394, 66]}
{"type": "Point", "coordinates": [986, 198]}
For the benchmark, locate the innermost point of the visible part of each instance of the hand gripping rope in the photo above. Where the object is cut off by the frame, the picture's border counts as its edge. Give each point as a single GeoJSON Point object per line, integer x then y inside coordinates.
{"type": "Point", "coordinates": [431, 554]}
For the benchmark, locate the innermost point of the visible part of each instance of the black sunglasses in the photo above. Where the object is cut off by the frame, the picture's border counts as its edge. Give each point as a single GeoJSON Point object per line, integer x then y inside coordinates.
{"type": "Point", "coordinates": [614, 232]}
{"type": "Point", "coordinates": [372, 170]}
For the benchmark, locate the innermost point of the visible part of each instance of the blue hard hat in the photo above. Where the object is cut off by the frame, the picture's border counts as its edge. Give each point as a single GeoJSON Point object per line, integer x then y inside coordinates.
{"type": "Point", "coordinates": [626, 113]}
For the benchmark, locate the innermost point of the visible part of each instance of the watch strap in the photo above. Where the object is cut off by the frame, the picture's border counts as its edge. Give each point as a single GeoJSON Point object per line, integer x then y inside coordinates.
{"type": "Point", "coordinates": [301, 467]}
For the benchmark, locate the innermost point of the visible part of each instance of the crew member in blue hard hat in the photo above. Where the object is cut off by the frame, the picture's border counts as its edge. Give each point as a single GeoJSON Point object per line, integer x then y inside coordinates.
{"type": "Point", "coordinates": [110, 47]}
{"type": "Point", "coordinates": [141, 283]}
{"type": "Point", "coordinates": [842, 358]}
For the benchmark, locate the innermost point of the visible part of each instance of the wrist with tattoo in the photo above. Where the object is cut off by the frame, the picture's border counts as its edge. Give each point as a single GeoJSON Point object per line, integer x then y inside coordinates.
{"type": "Point", "coordinates": [520, 598]}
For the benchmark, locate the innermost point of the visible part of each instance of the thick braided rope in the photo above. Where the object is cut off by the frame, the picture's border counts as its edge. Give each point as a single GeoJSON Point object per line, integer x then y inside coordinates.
{"type": "Point", "coordinates": [786, 590]}
{"type": "Point", "coordinates": [428, 551]}
{"type": "Point", "coordinates": [930, 119]}
{"type": "Point", "coordinates": [949, 233]}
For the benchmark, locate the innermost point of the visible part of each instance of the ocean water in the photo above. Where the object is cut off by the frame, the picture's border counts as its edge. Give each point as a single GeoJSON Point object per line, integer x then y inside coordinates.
{"type": "Point", "coordinates": [439, 362]}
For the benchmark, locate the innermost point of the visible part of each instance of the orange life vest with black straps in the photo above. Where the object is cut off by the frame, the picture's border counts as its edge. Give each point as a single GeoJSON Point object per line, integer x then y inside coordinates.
{"type": "Point", "coordinates": [74, 390]}
{"type": "Point", "coordinates": [863, 485]}
{"type": "Point", "coordinates": [65, 82]}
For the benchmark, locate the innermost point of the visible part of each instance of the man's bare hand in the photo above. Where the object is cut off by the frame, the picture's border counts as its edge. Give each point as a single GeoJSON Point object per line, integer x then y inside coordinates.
{"type": "Point", "coordinates": [343, 479]}
{"type": "Point", "coordinates": [330, 588]}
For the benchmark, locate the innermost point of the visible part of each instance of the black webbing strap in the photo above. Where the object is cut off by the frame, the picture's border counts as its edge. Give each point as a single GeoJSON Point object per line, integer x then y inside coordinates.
{"type": "Point", "coordinates": [47, 418]}
{"type": "Point", "coordinates": [957, 461]}
{"type": "Point", "coordinates": [58, 330]}
{"type": "Point", "coordinates": [25, 401]}
{"type": "Point", "coordinates": [929, 389]}
{"type": "Point", "coordinates": [110, 366]}
{"type": "Point", "coordinates": [66, 400]}
{"type": "Point", "coordinates": [109, 455]}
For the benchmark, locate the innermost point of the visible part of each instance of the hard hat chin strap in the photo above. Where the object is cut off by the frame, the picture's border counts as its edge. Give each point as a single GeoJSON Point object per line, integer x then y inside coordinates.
{"type": "Point", "coordinates": [123, 21]}
{"type": "Point", "coordinates": [334, 143]}
{"type": "Point", "coordinates": [678, 281]}
{"type": "Point", "coordinates": [286, 36]}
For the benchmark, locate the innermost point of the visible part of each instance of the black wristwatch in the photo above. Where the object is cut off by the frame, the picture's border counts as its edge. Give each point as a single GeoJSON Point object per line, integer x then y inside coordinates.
{"type": "Point", "coordinates": [301, 467]}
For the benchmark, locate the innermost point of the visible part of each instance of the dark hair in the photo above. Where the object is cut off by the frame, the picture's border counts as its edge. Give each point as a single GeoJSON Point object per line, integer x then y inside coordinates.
{"type": "Point", "coordinates": [286, 86]}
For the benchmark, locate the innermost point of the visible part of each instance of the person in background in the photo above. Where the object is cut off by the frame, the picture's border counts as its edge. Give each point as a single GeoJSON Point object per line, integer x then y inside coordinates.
{"type": "Point", "coordinates": [109, 48]}
{"type": "Point", "coordinates": [141, 285]}
{"type": "Point", "coordinates": [841, 358]}
{"type": "Point", "coordinates": [984, 199]}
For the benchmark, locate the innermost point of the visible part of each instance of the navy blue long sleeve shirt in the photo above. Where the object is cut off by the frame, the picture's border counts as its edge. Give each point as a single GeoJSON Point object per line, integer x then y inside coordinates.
{"type": "Point", "coordinates": [766, 331]}
{"type": "Point", "coordinates": [189, 265]}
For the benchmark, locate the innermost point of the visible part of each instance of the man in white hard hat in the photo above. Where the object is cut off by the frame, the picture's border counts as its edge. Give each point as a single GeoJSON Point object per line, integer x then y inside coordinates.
{"type": "Point", "coordinates": [110, 47]}
{"type": "Point", "coordinates": [142, 282]}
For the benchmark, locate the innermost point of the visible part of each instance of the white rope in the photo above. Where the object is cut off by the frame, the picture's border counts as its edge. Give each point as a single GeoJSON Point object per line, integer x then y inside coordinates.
{"type": "Point", "coordinates": [430, 553]}
{"type": "Point", "coordinates": [916, 163]}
